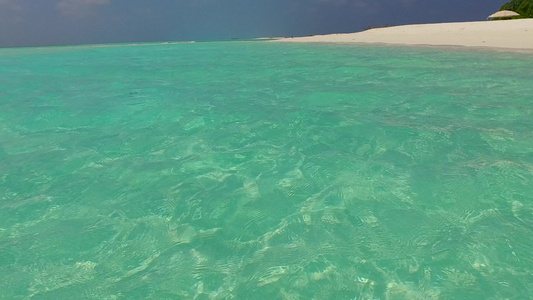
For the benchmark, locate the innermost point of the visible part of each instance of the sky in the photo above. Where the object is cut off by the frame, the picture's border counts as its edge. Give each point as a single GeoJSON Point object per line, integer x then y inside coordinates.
{"type": "Point", "coordinates": [68, 22]}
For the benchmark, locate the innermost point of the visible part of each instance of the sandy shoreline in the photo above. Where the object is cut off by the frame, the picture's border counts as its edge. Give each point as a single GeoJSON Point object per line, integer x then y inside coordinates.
{"type": "Point", "coordinates": [512, 35]}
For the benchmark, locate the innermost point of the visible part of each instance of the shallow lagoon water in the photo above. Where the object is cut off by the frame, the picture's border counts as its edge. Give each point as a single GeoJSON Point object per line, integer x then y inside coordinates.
{"type": "Point", "coordinates": [256, 170]}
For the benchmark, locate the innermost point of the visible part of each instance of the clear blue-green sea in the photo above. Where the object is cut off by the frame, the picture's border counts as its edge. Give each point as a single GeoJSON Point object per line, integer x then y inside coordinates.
{"type": "Point", "coordinates": [259, 170]}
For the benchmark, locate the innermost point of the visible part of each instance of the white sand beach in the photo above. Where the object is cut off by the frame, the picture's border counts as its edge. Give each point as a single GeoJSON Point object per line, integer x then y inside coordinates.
{"type": "Point", "coordinates": [509, 34]}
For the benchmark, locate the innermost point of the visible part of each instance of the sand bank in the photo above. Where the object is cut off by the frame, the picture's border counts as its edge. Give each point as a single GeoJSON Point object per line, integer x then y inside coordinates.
{"type": "Point", "coordinates": [508, 34]}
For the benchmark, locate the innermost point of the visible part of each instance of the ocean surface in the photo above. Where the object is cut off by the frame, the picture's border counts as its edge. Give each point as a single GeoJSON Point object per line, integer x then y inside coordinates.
{"type": "Point", "coordinates": [258, 170]}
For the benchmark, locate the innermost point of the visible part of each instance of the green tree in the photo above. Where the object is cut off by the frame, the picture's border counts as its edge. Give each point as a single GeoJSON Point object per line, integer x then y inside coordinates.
{"type": "Point", "coordinates": [523, 7]}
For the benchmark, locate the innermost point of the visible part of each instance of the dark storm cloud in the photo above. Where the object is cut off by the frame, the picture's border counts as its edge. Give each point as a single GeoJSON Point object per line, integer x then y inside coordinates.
{"type": "Point", "coordinates": [50, 22]}
{"type": "Point", "coordinates": [80, 8]}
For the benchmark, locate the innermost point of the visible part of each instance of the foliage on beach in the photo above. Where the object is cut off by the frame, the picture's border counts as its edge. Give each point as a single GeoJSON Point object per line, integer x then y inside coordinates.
{"type": "Point", "coordinates": [377, 26]}
{"type": "Point", "coordinates": [523, 7]}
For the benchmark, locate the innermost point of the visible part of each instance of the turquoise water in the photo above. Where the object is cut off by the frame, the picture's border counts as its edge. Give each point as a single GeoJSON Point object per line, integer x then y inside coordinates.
{"type": "Point", "coordinates": [265, 171]}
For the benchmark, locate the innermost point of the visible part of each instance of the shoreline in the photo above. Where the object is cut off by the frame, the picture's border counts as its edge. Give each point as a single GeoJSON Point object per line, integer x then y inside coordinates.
{"type": "Point", "coordinates": [505, 35]}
